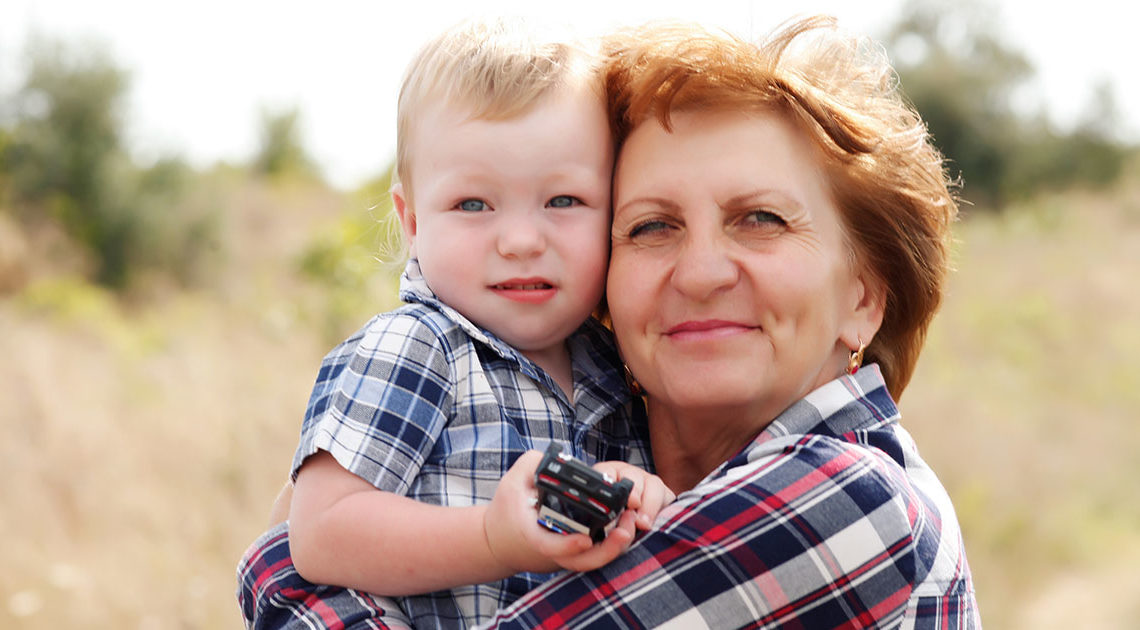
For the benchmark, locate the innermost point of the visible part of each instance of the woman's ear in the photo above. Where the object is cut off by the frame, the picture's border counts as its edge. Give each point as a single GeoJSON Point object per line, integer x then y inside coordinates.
{"type": "Point", "coordinates": [407, 216]}
{"type": "Point", "coordinates": [867, 306]}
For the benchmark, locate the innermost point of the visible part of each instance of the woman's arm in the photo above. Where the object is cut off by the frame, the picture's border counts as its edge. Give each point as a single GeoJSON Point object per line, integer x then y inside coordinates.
{"type": "Point", "coordinates": [807, 533]}
{"type": "Point", "coordinates": [273, 596]}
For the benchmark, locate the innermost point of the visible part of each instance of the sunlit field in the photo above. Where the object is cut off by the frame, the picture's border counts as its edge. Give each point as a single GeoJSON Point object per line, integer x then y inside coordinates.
{"type": "Point", "coordinates": [146, 436]}
{"type": "Point", "coordinates": [1027, 402]}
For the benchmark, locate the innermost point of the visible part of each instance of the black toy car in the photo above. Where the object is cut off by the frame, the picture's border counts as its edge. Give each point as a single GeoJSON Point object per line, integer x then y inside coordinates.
{"type": "Point", "coordinates": [574, 498]}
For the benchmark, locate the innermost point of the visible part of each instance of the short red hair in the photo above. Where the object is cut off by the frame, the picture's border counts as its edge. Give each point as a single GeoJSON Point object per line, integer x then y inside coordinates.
{"type": "Point", "coordinates": [887, 178]}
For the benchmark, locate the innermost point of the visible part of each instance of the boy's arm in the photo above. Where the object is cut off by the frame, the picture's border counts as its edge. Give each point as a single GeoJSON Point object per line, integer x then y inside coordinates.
{"type": "Point", "coordinates": [348, 533]}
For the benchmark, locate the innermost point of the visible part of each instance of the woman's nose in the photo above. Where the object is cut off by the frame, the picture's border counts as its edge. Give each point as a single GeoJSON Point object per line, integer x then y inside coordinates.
{"type": "Point", "coordinates": [704, 267]}
{"type": "Point", "coordinates": [519, 237]}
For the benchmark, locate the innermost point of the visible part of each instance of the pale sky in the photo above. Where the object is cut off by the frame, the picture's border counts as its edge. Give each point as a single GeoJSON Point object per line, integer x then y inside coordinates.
{"type": "Point", "coordinates": [201, 71]}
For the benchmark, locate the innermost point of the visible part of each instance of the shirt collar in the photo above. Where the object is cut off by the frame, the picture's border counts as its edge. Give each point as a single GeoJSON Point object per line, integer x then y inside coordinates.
{"type": "Point", "coordinates": [414, 289]}
{"type": "Point", "coordinates": [593, 353]}
{"type": "Point", "coordinates": [839, 409]}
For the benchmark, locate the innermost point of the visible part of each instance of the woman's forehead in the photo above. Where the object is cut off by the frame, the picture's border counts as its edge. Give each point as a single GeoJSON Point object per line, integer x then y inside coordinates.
{"type": "Point", "coordinates": [762, 148]}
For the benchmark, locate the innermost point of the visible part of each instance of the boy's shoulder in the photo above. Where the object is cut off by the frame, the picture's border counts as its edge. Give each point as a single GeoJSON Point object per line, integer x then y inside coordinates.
{"type": "Point", "coordinates": [411, 324]}
{"type": "Point", "coordinates": [411, 328]}
{"type": "Point", "coordinates": [414, 337]}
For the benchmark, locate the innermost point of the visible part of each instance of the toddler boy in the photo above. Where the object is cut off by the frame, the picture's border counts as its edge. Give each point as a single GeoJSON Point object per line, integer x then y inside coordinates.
{"type": "Point", "coordinates": [504, 158]}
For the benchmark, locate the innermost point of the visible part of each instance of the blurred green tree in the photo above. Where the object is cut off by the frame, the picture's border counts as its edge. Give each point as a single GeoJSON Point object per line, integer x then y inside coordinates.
{"type": "Point", "coordinates": [357, 260]}
{"type": "Point", "coordinates": [957, 68]}
{"type": "Point", "coordinates": [64, 158]}
{"type": "Point", "coordinates": [281, 151]}
{"type": "Point", "coordinates": [65, 147]}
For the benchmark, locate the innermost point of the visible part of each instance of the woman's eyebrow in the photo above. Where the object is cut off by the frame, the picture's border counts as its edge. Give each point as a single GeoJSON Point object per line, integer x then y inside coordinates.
{"type": "Point", "coordinates": [660, 202]}
{"type": "Point", "coordinates": [764, 194]}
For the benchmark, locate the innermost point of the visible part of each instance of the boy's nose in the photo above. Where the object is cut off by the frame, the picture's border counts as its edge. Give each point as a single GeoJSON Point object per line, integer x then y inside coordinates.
{"type": "Point", "coordinates": [520, 238]}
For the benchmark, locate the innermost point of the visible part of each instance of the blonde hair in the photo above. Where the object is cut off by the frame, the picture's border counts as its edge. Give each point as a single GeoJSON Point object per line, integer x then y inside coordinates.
{"type": "Point", "coordinates": [497, 69]}
{"type": "Point", "coordinates": [887, 178]}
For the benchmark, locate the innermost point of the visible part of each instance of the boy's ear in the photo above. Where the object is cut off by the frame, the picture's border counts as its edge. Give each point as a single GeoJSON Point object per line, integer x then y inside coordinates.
{"type": "Point", "coordinates": [407, 216]}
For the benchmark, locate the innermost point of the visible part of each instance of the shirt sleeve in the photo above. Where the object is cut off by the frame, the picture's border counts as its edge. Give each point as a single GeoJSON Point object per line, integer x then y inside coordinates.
{"type": "Point", "coordinates": [808, 533]}
{"type": "Point", "coordinates": [273, 596]}
{"type": "Point", "coordinates": [381, 400]}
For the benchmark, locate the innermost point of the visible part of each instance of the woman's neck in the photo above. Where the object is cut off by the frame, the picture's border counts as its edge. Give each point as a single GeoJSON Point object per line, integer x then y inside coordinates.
{"type": "Point", "coordinates": [688, 445]}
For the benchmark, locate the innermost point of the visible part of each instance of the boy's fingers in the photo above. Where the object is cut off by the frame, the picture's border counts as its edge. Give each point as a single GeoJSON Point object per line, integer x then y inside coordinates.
{"type": "Point", "coordinates": [617, 540]}
{"type": "Point", "coordinates": [526, 464]}
{"type": "Point", "coordinates": [657, 496]}
{"type": "Point", "coordinates": [636, 500]}
{"type": "Point", "coordinates": [603, 553]}
{"type": "Point", "coordinates": [554, 545]}
{"type": "Point", "coordinates": [654, 499]}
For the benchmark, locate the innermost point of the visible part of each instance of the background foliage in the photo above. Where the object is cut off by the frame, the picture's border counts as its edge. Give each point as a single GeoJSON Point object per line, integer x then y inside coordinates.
{"type": "Point", "coordinates": [956, 68]}
{"type": "Point", "coordinates": [162, 326]}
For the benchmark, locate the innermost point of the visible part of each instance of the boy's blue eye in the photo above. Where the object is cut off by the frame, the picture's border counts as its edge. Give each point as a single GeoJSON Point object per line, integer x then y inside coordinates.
{"type": "Point", "coordinates": [563, 201]}
{"type": "Point", "coordinates": [472, 205]}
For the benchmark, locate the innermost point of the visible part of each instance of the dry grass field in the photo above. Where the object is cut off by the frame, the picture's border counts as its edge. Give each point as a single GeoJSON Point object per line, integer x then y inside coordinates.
{"type": "Point", "coordinates": [145, 439]}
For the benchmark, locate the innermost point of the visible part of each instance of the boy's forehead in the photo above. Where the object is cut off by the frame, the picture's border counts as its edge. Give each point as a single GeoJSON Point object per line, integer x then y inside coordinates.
{"type": "Point", "coordinates": [565, 132]}
{"type": "Point", "coordinates": [505, 106]}
{"type": "Point", "coordinates": [448, 115]}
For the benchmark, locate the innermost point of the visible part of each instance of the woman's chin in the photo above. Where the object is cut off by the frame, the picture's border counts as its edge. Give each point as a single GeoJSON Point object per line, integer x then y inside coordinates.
{"type": "Point", "coordinates": [702, 394]}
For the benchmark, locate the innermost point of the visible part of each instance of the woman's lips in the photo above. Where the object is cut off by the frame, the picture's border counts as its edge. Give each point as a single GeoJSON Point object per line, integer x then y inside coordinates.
{"type": "Point", "coordinates": [525, 290]}
{"type": "Point", "coordinates": [707, 329]}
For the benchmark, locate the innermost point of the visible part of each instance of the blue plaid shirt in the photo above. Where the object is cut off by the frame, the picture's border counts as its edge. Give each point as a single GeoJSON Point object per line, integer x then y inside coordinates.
{"type": "Point", "coordinates": [828, 519]}
{"type": "Point", "coordinates": [423, 403]}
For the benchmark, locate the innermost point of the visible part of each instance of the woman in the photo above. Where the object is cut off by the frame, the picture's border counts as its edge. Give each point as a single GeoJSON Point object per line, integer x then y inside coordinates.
{"type": "Point", "coordinates": [780, 217]}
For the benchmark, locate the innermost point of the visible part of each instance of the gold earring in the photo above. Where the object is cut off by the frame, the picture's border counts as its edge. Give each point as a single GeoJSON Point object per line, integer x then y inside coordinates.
{"type": "Point", "coordinates": [634, 386]}
{"type": "Point", "coordinates": [856, 360]}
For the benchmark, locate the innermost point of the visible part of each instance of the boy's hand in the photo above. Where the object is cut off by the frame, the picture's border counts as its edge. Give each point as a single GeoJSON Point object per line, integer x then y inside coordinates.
{"type": "Point", "coordinates": [649, 493]}
{"type": "Point", "coordinates": [517, 540]}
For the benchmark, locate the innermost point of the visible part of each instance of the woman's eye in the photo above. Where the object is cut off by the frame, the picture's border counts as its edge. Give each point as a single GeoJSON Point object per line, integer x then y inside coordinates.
{"type": "Point", "coordinates": [472, 205]}
{"type": "Point", "coordinates": [648, 228]}
{"type": "Point", "coordinates": [563, 201]}
{"type": "Point", "coordinates": [762, 218]}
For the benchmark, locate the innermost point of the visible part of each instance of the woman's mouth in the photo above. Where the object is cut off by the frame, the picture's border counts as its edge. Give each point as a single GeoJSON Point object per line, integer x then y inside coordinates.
{"type": "Point", "coordinates": [707, 329]}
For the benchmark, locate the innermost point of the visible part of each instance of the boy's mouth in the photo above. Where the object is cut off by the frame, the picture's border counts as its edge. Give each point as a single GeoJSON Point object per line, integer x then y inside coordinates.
{"type": "Point", "coordinates": [526, 290]}
{"type": "Point", "coordinates": [523, 284]}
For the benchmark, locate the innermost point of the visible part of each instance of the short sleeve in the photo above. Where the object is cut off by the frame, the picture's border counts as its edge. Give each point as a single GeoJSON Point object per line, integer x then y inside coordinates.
{"type": "Point", "coordinates": [381, 400]}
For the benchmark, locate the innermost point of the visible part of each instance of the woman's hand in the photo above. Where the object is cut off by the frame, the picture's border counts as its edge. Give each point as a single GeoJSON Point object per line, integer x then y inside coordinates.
{"type": "Point", "coordinates": [279, 513]}
{"type": "Point", "coordinates": [649, 493]}
{"type": "Point", "coordinates": [517, 540]}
